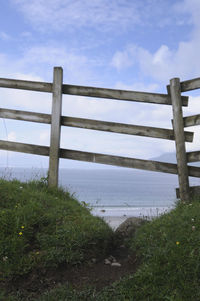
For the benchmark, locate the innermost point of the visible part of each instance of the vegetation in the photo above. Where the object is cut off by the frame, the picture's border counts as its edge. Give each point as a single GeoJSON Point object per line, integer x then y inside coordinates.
{"type": "Point", "coordinates": [42, 227]}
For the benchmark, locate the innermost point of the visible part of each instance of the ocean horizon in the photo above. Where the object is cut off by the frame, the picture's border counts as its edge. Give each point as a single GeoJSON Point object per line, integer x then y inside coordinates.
{"type": "Point", "coordinates": [110, 188]}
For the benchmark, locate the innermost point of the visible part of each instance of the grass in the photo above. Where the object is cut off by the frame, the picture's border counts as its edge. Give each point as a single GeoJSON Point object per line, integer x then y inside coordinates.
{"type": "Point", "coordinates": [56, 229]}
{"type": "Point", "coordinates": [42, 228]}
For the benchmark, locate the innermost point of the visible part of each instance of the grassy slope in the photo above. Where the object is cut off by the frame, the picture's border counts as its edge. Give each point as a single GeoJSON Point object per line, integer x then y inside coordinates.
{"type": "Point", "coordinates": [169, 247]}
{"type": "Point", "coordinates": [170, 251]}
{"type": "Point", "coordinates": [43, 227]}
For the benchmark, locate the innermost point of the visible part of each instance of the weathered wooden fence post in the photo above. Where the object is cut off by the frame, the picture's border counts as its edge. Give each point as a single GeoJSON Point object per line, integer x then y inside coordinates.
{"type": "Point", "coordinates": [178, 126]}
{"type": "Point", "coordinates": [55, 126]}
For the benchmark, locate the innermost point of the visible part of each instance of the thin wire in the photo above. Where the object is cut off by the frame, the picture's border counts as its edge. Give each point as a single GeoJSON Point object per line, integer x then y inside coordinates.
{"type": "Point", "coordinates": [5, 127]}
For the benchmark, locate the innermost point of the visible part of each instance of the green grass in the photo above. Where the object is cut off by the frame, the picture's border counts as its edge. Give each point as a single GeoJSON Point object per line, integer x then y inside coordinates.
{"type": "Point", "coordinates": [42, 227]}
{"type": "Point", "coordinates": [169, 250]}
{"type": "Point", "coordinates": [56, 228]}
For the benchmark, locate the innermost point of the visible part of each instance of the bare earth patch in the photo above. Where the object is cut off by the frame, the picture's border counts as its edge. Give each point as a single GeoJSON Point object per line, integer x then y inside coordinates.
{"type": "Point", "coordinates": [95, 273]}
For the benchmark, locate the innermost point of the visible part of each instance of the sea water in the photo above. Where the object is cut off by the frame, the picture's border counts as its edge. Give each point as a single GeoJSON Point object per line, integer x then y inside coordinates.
{"type": "Point", "coordinates": [113, 192]}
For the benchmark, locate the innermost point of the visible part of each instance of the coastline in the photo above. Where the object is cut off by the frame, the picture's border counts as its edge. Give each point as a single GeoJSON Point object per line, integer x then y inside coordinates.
{"type": "Point", "coordinates": [114, 216]}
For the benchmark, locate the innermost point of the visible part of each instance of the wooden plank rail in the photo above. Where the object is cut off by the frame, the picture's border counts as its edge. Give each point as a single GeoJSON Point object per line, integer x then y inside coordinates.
{"type": "Point", "coordinates": [26, 85]}
{"type": "Point", "coordinates": [191, 120]}
{"type": "Point", "coordinates": [24, 148]}
{"type": "Point", "coordinates": [156, 98]}
{"type": "Point", "coordinates": [190, 85]}
{"type": "Point", "coordinates": [97, 125]}
{"type": "Point", "coordinates": [25, 116]}
{"type": "Point", "coordinates": [193, 156]}
{"type": "Point", "coordinates": [98, 158]}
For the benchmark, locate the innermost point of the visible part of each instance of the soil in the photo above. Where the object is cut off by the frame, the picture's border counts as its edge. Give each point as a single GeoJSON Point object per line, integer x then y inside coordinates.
{"type": "Point", "coordinates": [95, 273]}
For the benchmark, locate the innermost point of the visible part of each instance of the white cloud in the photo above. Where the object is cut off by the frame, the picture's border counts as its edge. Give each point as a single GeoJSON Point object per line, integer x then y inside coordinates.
{"type": "Point", "coordinates": [124, 59]}
{"type": "Point", "coordinates": [61, 15]}
{"type": "Point", "coordinates": [44, 136]}
{"type": "Point", "coordinates": [12, 136]}
{"type": "Point", "coordinates": [4, 36]}
{"type": "Point", "coordinates": [167, 62]}
{"type": "Point", "coordinates": [138, 86]}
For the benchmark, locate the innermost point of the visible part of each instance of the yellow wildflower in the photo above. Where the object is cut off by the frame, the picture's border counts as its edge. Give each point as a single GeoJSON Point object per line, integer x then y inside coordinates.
{"type": "Point", "coordinates": [20, 233]}
{"type": "Point", "coordinates": [22, 227]}
{"type": "Point", "coordinates": [177, 243]}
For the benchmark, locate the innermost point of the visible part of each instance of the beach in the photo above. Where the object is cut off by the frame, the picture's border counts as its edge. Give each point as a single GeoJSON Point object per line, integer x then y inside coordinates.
{"type": "Point", "coordinates": [114, 216]}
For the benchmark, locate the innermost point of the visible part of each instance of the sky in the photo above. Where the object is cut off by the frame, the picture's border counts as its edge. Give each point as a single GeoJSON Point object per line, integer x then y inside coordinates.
{"type": "Point", "coordinates": [123, 44]}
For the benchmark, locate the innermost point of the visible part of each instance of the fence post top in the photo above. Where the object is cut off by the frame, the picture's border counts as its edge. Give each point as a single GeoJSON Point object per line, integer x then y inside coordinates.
{"type": "Point", "coordinates": [58, 67]}
{"type": "Point", "coordinates": [175, 80]}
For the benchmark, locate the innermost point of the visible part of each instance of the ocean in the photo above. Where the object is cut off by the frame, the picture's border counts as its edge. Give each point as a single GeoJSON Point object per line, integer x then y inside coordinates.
{"type": "Point", "coordinates": [113, 192]}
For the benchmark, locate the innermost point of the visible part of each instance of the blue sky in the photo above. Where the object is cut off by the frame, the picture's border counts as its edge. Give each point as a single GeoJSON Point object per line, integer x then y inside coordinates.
{"type": "Point", "coordinates": [134, 45]}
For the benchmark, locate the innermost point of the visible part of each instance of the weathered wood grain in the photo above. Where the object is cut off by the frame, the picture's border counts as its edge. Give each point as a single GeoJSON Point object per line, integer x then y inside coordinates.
{"type": "Point", "coordinates": [194, 171]}
{"type": "Point", "coordinates": [55, 127]}
{"type": "Point", "coordinates": [188, 85]}
{"type": "Point", "coordinates": [122, 128]}
{"type": "Point", "coordinates": [25, 85]}
{"type": "Point", "coordinates": [126, 162]}
{"type": "Point", "coordinates": [194, 192]}
{"type": "Point", "coordinates": [126, 95]}
{"type": "Point", "coordinates": [178, 125]}
{"type": "Point", "coordinates": [191, 120]}
{"type": "Point", "coordinates": [119, 161]}
{"type": "Point", "coordinates": [24, 148]}
{"type": "Point", "coordinates": [25, 116]}
{"type": "Point", "coordinates": [156, 98]}
{"type": "Point", "coordinates": [98, 158]}
{"type": "Point", "coordinates": [97, 125]}
{"type": "Point", "coordinates": [193, 156]}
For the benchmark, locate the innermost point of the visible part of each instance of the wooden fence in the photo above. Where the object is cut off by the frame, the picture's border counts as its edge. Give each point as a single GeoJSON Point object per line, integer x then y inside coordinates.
{"type": "Point", "coordinates": [57, 88]}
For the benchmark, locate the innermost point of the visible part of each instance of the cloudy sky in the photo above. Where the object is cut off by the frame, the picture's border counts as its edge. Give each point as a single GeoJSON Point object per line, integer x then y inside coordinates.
{"type": "Point", "coordinates": [125, 44]}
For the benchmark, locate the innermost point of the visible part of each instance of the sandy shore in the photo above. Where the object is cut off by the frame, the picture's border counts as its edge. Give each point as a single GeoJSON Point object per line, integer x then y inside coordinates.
{"type": "Point", "coordinates": [114, 216]}
{"type": "Point", "coordinates": [114, 221]}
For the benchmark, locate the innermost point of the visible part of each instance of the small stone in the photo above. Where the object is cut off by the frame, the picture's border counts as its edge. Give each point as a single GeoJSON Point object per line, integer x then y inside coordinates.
{"type": "Point", "coordinates": [107, 261]}
{"type": "Point", "coordinates": [111, 258]}
{"type": "Point", "coordinates": [116, 264]}
{"type": "Point", "coordinates": [93, 260]}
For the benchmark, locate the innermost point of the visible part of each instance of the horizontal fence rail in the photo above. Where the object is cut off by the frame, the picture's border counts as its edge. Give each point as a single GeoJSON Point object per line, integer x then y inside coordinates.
{"type": "Point", "coordinates": [97, 125]}
{"type": "Point", "coordinates": [155, 98]}
{"type": "Point", "coordinates": [193, 156]}
{"type": "Point", "coordinates": [190, 85]}
{"type": "Point", "coordinates": [98, 158]}
{"type": "Point", "coordinates": [191, 120]}
{"type": "Point", "coordinates": [26, 85]}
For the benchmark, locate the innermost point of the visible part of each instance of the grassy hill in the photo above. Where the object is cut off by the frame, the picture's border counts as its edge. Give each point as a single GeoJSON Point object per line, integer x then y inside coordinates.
{"type": "Point", "coordinates": [49, 241]}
